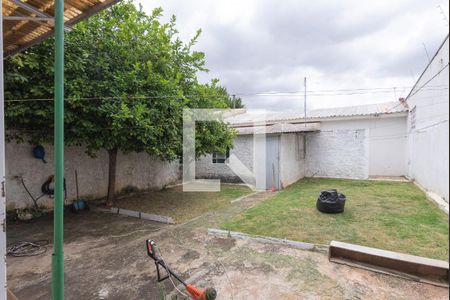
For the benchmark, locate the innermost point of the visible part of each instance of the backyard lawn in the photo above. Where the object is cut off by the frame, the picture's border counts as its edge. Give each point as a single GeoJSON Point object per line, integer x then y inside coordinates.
{"type": "Point", "coordinates": [389, 215]}
{"type": "Point", "coordinates": [181, 206]}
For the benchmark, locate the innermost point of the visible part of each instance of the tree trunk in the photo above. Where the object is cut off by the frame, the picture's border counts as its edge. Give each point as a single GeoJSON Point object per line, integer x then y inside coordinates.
{"type": "Point", "coordinates": [111, 176]}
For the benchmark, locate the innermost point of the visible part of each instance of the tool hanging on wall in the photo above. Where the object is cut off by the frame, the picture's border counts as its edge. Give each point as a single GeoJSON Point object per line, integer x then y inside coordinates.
{"type": "Point", "coordinates": [39, 153]}
{"type": "Point", "coordinates": [35, 200]}
{"type": "Point", "coordinates": [47, 187]}
{"type": "Point", "coordinates": [196, 294]}
{"type": "Point", "coordinates": [78, 204]}
{"type": "Point", "coordinates": [46, 190]}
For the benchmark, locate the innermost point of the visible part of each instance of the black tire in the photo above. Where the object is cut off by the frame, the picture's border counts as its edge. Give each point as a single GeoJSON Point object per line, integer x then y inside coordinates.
{"type": "Point", "coordinates": [331, 202]}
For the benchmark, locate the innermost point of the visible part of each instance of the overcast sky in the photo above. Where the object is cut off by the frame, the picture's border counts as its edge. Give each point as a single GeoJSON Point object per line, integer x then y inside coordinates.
{"type": "Point", "coordinates": [263, 46]}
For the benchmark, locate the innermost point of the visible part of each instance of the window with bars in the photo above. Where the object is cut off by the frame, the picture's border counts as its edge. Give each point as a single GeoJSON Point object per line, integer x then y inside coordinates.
{"type": "Point", "coordinates": [220, 158]}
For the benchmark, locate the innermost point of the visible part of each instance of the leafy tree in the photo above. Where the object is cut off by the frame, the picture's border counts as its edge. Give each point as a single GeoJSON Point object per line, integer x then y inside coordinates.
{"type": "Point", "coordinates": [222, 93]}
{"type": "Point", "coordinates": [128, 78]}
{"type": "Point", "coordinates": [235, 102]}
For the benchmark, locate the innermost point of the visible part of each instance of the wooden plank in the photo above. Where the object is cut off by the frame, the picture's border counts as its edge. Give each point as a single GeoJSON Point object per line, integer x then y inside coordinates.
{"type": "Point", "coordinates": [408, 266]}
{"type": "Point", "coordinates": [29, 33]}
{"type": "Point", "coordinates": [11, 295]}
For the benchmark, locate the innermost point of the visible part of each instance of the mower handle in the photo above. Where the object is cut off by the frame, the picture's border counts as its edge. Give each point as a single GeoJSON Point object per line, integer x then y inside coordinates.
{"type": "Point", "coordinates": [196, 294]}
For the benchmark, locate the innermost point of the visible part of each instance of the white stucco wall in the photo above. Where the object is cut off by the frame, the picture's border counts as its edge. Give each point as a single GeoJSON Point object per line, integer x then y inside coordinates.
{"type": "Point", "coordinates": [387, 147]}
{"type": "Point", "coordinates": [358, 147]}
{"type": "Point", "coordinates": [428, 142]}
{"type": "Point", "coordinates": [337, 153]}
{"type": "Point", "coordinates": [292, 158]}
{"type": "Point", "coordinates": [243, 149]}
{"type": "Point", "coordinates": [139, 170]}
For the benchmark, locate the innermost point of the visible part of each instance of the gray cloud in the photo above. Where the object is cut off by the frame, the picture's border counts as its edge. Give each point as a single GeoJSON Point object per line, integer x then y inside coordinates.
{"type": "Point", "coordinates": [254, 46]}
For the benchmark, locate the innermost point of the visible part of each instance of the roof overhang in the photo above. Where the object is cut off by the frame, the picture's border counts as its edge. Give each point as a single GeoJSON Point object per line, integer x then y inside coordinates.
{"type": "Point", "coordinates": [278, 128]}
{"type": "Point", "coordinates": [400, 114]}
{"type": "Point", "coordinates": [28, 22]}
{"type": "Point", "coordinates": [315, 120]}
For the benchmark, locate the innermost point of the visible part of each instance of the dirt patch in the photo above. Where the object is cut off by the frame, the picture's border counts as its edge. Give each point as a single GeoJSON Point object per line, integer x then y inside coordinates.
{"type": "Point", "coordinates": [190, 255]}
{"type": "Point", "coordinates": [223, 244]}
{"type": "Point", "coordinates": [106, 259]}
{"type": "Point", "coordinates": [181, 206]}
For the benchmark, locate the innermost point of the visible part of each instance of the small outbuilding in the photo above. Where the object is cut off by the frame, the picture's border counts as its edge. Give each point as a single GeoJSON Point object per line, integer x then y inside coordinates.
{"type": "Point", "coordinates": [346, 142]}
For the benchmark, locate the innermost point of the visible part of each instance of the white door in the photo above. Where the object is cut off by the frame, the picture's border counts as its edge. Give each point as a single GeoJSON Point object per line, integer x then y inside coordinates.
{"type": "Point", "coordinates": [273, 162]}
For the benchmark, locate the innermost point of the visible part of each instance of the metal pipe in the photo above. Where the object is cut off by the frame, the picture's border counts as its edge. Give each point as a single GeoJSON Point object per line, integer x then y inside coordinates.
{"type": "Point", "coordinates": [58, 231]}
{"type": "Point", "coordinates": [304, 107]}
{"type": "Point", "coordinates": [26, 18]}
{"type": "Point", "coordinates": [171, 272]}
{"type": "Point", "coordinates": [2, 170]}
{"type": "Point", "coordinates": [36, 11]}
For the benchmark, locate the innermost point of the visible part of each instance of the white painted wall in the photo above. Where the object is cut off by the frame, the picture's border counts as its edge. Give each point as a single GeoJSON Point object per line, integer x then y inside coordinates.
{"type": "Point", "coordinates": [387, 147]}
{"type": "Point", "coordinates": [359, 147]}
{"type": "Point", "coordinates": [243, 149]}
{"type": "Point", "coordinates": [428, 142]}
{"type": "Point", "coordinates": [139, 170]}
{"type": "Point", "coordinates": [387, 140]}
{"type": "Point", "coordinates": [292, 158]}
{"type": "Point", "coordinates": [356, 147]}
{"type": "Point", "coordinates": [337, 153]}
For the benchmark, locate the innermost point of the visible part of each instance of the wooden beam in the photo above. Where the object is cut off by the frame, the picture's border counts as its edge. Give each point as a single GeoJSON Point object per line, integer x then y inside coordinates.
{"type": "Point", "coordinates": [86, 14]}
{"type": "Point", "coordinates": [416, 268]}
{"type": "Point", "coordinates": [30, 8]}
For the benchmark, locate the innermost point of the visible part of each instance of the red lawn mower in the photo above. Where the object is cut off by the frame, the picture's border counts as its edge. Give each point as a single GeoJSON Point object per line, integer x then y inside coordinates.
{"type": "Point", "coordinates": [196, 294]}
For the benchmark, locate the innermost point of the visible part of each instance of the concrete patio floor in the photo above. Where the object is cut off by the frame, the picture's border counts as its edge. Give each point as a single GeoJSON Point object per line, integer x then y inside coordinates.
{"type": "Point", "coordinates": [106, 259]}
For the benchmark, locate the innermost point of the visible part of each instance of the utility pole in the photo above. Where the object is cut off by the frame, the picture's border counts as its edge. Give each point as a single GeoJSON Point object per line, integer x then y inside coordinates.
{"type": "Point", "coordinates": [234, 101]}
{"type": "Point", "coordinates": [2, 171]}
{"type": "Point", "coordinates": [58, 231]}
{"type": "Point", "coordinates": [304, 105]}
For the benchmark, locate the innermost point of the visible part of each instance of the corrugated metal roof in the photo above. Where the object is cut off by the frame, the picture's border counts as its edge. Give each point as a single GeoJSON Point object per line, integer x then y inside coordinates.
{"type": "Point", "coordinates": [22, 27]}
{"type": "Point", "coordinates": [256, 117]}
{"type": "Point", "coordinates": [336, 112]}
{"type": "Point", "coordinates": [363, 110]}
{"type": "Point", "coordinates": [279, 128]}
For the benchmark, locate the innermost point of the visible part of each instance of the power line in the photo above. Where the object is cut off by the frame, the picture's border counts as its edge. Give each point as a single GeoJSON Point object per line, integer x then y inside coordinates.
{"type": "Point", "coordinates": [430, 126]}
{"type": "Point", "coordinates": [379, 137]}
{"type": "Point", "coordinates": [413, 92]}
{"type": "Point", "coordinates": [338, 90]}
{"type": "Point", "coordinates": [280, 94]}
{"type": "Point", "coordinates": [140, 127]}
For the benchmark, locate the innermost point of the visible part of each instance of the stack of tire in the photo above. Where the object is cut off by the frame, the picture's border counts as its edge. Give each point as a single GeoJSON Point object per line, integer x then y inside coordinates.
{"type": "Point", "coordinates": [331, 202]}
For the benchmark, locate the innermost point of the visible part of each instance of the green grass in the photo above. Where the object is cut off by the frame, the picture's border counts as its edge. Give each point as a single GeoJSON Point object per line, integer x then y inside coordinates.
{"type": "Point", "coordinates": [182, 206]}
{"type": "Point", "coordinates": [388, 215]}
